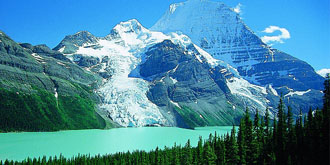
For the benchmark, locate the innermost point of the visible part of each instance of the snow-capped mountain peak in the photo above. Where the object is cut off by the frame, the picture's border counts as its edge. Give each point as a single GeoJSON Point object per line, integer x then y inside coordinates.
{"type": "Point", "coordinates": [216, 28]}
{"type": "Point", "coordinates": [129, 26]}
{"type": "Point", "coordinates": [219, 30]}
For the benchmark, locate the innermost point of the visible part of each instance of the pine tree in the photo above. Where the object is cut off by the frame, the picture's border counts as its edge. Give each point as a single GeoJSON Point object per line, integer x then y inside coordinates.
{"type": "Point", "coordinates": [242, 142]}
{"type": "Point", "coordinates": [299, 137]}
{"type": "Point", "coordinates": [220, 151]}
{"type": "Point", "coordinates": [267, 123]}
{"type": "Point", "coordinates": [280, 135]}
{"type": "Point", "coordinates": [208, 154]}
{"type": "Point", "coordinates": [200, 150]}
{"type": "Point", "coordinates": [249, 139]}
{"type": "Point", "coordinates": [232, 148]}
{"type": "Point", "coordinates": [258, 129]}
{"type": "Point", "coordinates": [157, 156]}
{"type": "Point", "coordinates": [324, 132]}
{"type": "Point", "coordinates": [188, 156]}
{"type": "Point", "coordinates": [291, 137]}
{"type": "Point", "coordinates": [309, 139]}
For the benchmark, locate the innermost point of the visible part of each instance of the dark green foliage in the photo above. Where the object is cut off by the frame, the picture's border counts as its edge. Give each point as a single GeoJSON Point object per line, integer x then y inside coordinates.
{"type": "Point", "coordinates": [41, 111]}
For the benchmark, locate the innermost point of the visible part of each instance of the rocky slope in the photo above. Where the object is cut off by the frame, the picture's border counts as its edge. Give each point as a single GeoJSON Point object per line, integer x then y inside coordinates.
{"type": "Point", "coordinates": [43, 90]}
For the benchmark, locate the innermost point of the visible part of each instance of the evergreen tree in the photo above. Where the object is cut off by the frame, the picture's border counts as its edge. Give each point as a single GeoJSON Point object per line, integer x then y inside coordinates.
{"type": "Point", "coordinates": [232, 148]}
{"type": "Point", "coordinates": [208, 154]}
{"type": "Point", "coordinates": [324, 132]}
{"type": "Point", "coordinates": [281, 135]}
{"type": "Point", "coordinates": [188, 155]}
{"type": "Point", "coordinates": [299, 138]}
{"type": "Point", "coordinates": [158, 156]}
{"type": "Point", "coordinates": [267, 123]}
{"type": "Point", "coordinates": [291, 138]}
{"type": "Point", "coordinates": [242, 142]}
{"type": "Point", "coordinates": [200, 150]}
{"type": "Point", "coordinates": [258, 131]}
{"type": "Point", "coordinates": [250, 140]}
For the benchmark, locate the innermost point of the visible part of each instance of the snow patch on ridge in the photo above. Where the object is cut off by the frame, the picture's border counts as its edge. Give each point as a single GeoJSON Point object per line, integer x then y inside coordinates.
{"type": "Point", "coordinates": [323, 72]}
{"type": "Point", "coordinates": [250, 94]}
{"type": "Point", "coordinates": [273, 90]}
{"type": "Point", "coordinates": [300, 93]}
{"type": "Point", "coordinates": [61, 49]}
{"type": "Point", "coordinates": [176, 104]}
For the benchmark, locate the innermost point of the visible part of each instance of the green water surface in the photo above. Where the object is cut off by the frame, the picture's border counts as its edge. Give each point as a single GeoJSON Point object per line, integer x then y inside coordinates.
{"type": "Point", "coordinates": [19, 146]}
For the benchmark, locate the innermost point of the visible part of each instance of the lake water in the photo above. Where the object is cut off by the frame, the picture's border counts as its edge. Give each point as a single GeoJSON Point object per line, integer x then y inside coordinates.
{"type": "Point", "coordinates": [18, 146]}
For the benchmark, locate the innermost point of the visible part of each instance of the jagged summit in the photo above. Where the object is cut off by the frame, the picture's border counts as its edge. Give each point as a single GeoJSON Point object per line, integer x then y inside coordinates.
{"type": "Point", "coordinates": [71, 42]}
{"type": "Point", "coordinates": [129, 26]}
{"type": "Point", "coordinates": [194, 15]}
{"type": "Point", "coordinates": [215, 27]}
{"type": "Point", "coordinates": [126, 29]}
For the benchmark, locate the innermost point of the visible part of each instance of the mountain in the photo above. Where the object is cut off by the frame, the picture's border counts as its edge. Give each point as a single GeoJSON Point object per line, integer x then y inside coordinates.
{"type": "Point", "coordinates": [220, 31]}
{"type": "Point", "coordinates": [191, 69]}
{"type": "Point", "coordinates": [150, 78]}
{"type": "Point", "coordinates": [199, 65]}
{"type": "Point", "coordinates": [154, 79]}
{"type": "Point", "coordinates": [42, 90]}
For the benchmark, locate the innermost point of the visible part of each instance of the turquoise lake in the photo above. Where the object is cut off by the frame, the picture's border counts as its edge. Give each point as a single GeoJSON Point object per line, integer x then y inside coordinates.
{"type": "Point", "coordinates": [19, 146]}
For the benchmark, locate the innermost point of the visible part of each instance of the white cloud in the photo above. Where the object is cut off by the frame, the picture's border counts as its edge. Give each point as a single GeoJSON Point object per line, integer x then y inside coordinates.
{"type": "Point", "coordinates": [323, 72]}
{"type": "Point", "coordinates": [237, 9]}
{"type": "Point", "coordinates": [275, 39]}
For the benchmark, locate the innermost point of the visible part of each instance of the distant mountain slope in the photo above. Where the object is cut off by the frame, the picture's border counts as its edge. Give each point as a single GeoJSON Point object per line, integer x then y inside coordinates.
{"type": "Point", "coordinates": [42, 90]}
{"type": "Point", "coordinates": [220, 31]}
{"type": "Point", "coordinates": [217, 29]}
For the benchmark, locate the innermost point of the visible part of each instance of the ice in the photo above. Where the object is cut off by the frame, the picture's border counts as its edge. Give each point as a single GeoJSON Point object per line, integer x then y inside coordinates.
{"type": "Point", "coordinates": [273, 90]}
{"type": "Point", "coordinates": [61, 49]}
{"type": "Point", "coordinates": [252, 95]}
{"type": "Point", "coordinates": [173, 80]}
{"type": "Point", "coordinates": [176, 104]}
{"type": "Point", "coordinates": [60, 63]}
{"type": "Point", "coordinates": [300, 93]}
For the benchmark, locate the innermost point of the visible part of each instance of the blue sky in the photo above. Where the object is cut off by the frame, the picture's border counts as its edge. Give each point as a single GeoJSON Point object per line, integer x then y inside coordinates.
{"type": "Point", "coordinates": [48, 21]}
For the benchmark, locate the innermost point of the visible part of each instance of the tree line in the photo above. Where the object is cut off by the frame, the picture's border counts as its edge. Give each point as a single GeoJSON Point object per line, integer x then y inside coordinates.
{"type": "Point", "coordinates": [260, 140]}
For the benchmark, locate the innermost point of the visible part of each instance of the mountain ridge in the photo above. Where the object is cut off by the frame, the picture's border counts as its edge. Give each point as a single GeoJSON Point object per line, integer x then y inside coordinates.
{"type": "Point", "coordinates": [221, 32]}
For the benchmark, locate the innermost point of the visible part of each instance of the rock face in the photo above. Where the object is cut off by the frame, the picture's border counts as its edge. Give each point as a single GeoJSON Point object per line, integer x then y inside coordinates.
{"type": "Point", "coordinates": [220, 31]}
{"type": "Point", "coordinates": [72, 42]}
{"type": "Point", "coordinates": [182, 84]}
{"type": "Point", "coordinates": [37, 72]}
